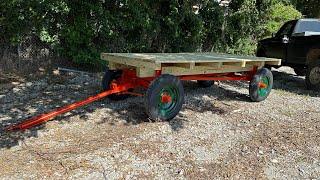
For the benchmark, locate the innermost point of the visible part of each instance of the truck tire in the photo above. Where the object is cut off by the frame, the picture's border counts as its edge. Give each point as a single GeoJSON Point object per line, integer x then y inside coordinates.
{"type": "Point", "coordinates": [164, 98]}
{"type": "Point", "coordinates": [313, 76]}
{"type": "Point", "coordinates": [205, 84]}
{"type": "Point", "coordinates": [108, 77]}
{"type": "Point", "coordinates": [261, 85]}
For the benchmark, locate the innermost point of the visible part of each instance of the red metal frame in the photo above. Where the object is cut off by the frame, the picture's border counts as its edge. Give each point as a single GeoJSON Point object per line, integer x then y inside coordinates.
{"type": "Point", "coordinates": [127, 81]}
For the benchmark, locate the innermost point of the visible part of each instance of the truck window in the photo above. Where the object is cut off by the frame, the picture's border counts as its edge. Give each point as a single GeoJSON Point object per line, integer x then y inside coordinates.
{"type": "Point", "coordinates": [286, 29]}
{"type": "Point", "coordinates": [304, 26]}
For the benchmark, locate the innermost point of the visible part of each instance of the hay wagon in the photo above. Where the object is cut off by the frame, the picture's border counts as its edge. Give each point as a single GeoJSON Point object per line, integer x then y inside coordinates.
{"type": "Point", "coordinates": [161, 75]}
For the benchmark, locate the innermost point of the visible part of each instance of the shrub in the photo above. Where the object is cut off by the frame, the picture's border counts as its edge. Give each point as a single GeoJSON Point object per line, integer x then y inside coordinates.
{"type": "Point", "coordinates": [81, 30]}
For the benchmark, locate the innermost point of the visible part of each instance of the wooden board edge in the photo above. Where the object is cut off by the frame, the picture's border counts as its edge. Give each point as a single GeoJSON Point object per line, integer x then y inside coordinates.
{"type": "Point", "coordinates": [130, 61]}
{"type": "Point", "coordinates": [178, 71]}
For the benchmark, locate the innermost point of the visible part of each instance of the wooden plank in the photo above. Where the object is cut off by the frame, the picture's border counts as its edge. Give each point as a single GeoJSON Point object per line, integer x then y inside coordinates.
{"type": "Point", "coordinates": [112, 66]}
{"type": "Point", "coordinates": [192, 65]}
{"type": "Point", "coordinates": [203, 70]}
{"type": "Point", "coordinates": [274, 63]}
{"type": "Point", "coordinates": [256, 63]}
{"type": "Point", "coordinates": [189, 57]}
{"type": "Point", "coordinates": [115, 66]}
{"type": "Point", "coordinates": [141, 72]}
{"type": "Point", "coordinates": [145, 72]}
{"type": "Point", "coordinates": [238, 64]}
{"type": "Point", "coordinates": [130, 61]}
{"type": "Point", "coordinates": [183, 65]}
{"type": "Point", "coordinates": [210, 64]}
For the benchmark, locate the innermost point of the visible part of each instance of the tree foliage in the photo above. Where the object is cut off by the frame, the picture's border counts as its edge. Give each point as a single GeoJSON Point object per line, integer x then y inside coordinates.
{"type": "Point", "coordinates": [279, 13]}
{"type": "Point", "coordinates": [80, 30]}
{"type": "Point", "coordinates": [251, 20]}
{"type": "Point", "coordinates": [309, 8]}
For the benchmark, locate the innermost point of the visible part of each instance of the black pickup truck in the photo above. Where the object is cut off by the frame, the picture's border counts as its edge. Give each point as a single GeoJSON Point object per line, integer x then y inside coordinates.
{"type": "Point", "coordinates": [297, 43]}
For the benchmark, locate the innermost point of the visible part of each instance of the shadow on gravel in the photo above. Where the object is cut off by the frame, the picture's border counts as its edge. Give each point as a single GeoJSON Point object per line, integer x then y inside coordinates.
{"type": "Point", "coordinates": [19, 103]}
{"type": "Point", "coordinates": [221, 92]}
{"type": "Point", "coordinates": [24, 100]}
{"type": "Point", "coordinates": [292, 83]}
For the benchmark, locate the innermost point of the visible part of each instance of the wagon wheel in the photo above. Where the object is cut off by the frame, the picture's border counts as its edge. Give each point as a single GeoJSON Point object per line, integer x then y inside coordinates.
{"type": "Point", "coordinates": [205, 84]}
{"type": "Point", "coordinates": [108, 77]}
{"type": "Point", "coordinates": [313, 76]}
{"type": "Point", "coordinates": [261, 85]}
{"type": "Point", "coordinates": [164, 97]}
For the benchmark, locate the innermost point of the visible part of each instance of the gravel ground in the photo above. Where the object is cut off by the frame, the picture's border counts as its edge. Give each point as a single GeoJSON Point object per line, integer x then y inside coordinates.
{"type": "Point", "coordinates": [219, 133]}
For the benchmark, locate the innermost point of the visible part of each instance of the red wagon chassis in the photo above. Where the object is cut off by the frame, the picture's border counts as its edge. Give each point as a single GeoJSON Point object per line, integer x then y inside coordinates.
{"type": "Point", "coordinates": [129, 80]}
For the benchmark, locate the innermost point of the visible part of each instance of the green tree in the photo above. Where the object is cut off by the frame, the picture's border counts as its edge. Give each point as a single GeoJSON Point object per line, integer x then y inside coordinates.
{"type": "Point", "coordinates": [81, 30]}
{"type": "Point", "coordinates": [251, 20]}
{"type": "Point", "coordinates": [212, 16]}
{"type": "Point", "coordinates": [128, 26]}
{"type": "Point", "coordinates": [277, 15]}
{"type": "Point", "coordinates": [309, 8]}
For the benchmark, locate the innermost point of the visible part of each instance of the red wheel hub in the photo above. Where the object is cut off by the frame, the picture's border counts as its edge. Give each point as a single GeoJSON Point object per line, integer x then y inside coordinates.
{"type": "Point", "coordinates": [262, 85]}
{"type": "Point", "coordinates": [166, 98]}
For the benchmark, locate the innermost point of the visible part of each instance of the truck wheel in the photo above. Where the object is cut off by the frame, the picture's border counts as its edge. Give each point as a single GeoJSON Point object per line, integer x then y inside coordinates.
{"type": "Point", "coordinates": [261, 85]}
{"type": "Point", "coordinates": [164, 98]}
{"type": "Point", "coordinates": [300, 71]}
{"type": "Point", "coordinates": [313, 77]}
{"type": "Point", "coordinates": [205, 84]}
{"type": "Point", "coordinates": [108, 77]}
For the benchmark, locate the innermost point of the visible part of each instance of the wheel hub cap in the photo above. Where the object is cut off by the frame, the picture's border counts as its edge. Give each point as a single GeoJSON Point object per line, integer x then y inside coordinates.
{"type": "Point", "coordinates": [166, 98]}
{"type": "Point", "coordinates": [263, 86]}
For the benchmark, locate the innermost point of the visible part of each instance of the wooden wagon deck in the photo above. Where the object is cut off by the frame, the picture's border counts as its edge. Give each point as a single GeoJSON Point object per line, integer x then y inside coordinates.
{"type": "Point", "coordinates": [185, 63]}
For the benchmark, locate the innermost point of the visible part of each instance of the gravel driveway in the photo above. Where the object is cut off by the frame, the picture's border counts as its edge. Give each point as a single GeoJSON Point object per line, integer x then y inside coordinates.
{"type": "Point", "coordinates": [218, 134]}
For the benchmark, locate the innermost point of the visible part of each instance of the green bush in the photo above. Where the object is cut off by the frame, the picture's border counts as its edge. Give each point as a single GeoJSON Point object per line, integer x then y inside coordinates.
{"type": "Point", "coordinates": [251, 20]}
{"type": "Point", "coordinates": [278, 14]}
{"type": "Point", "coordinates": [131, 26]}
{"type": "Point", "coordinates": [212, 16]}
{"type": "Point", "coordinates": [242, 28]}
{"type": "Point", "coordinates": [81, 30]}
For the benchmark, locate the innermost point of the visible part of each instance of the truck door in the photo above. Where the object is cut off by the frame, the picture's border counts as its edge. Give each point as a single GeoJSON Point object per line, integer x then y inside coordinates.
{"type": "Point", "coordinates": [300, 44]}
{"type": "Point", "coordinates": [297, 49]}
{"type": "Point", "coordinates": [278, 44]}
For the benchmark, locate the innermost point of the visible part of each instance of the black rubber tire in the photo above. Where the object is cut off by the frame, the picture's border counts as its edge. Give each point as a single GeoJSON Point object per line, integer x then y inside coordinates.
{"type": "Point", "coordinates": [310, 72]}
{"type": "Point", "coordinates": [300, 71]}
{"type": "Point", "coordinates": [153, 93]}
{"type": "Point", "coordinates": [254, 85]}
{"type": "Point", "coordinates": [205, 84]}
{"type": "Point", "coordinates": [108, 77]}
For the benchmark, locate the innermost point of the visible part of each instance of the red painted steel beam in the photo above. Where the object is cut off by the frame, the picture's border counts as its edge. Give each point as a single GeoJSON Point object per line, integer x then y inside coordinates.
{"type": "Point", "coordinates": [128, 80]}
{"type": "Point", "coordinates": [47, 116]}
